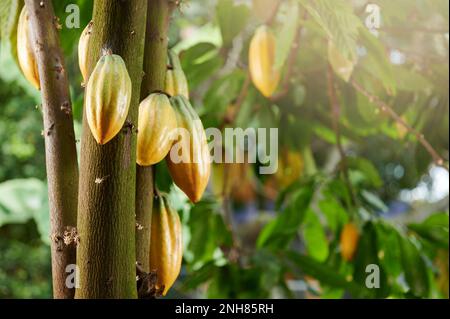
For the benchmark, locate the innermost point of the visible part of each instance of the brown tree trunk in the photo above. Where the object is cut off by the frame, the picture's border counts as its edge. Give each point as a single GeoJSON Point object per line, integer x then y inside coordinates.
{"type": "Point", "coordinates": [60, 150]}
{"type": "Point", "coordinates": [155, 64]}
{"type": "Point", "coordinates": [106, 211]}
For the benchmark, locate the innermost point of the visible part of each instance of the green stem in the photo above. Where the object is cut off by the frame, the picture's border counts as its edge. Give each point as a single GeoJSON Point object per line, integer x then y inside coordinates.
{"type": "Point", "coordinates": [106, 206]}
{"type": "Point", "coordinates": [155, 63]}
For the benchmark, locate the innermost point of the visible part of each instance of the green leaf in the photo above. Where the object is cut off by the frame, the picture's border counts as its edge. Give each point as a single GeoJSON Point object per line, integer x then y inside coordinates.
{"type": "Point", "coordinates": [373, 200]}
{"type": "Point", "coordinates": [314, 236]}
{"type": "Point", "coordinates": [208, 233]}
{"type": "Point", "coordinates": [286, 36]}
{"type": "Point", "coordinates": [222, 93]}
{"type": "Point", "coordinates": [199, 62]}
{"type": "Point", "coordinates": [376, 62]}
{"type": "Point", "coordinates": [338, 21]}
{"type": "Point", "coordinates": [24, 199]}
{"type": "Point", "coordinates": [322, 272]}
{"type": "Point", "coordinates": [280, 231]}
{"type": "Point", "coordinates": [9, 16]}
{"type": "Point", "coordinates": [414, 268]}
{"type": "Point", "coordinates": [232, 19]}
{"type": "Point", "coordinates": [367, 168]}
{"type": "Point", "coordinates": [367, 254]}
{"type": "Point", "coordinates": [335, 214]}
{"type": "Point", "coordinates": [434, 229]}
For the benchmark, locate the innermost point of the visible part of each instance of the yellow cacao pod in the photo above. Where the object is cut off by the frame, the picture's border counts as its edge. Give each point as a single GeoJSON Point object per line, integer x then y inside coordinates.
{"type": "Point", "coordinates": [349, 241]}
{"type": "Point", "coordinates": [262, 60]}
{"type": "Point", "coordinates": [108, 95]}
{"type": "Point", "coordinates": [166, 245]}
{"type": "Point", "coordinates": [156, 129]}
{"type": "Point", "coordinates": [189, 160]}
{"type": "Point", "coordinates": [341, 65]}
{"type": "Point", "coordinates": [83, 50]}
{"type": "Point", "coordinates": [290, 167]}
{"type": "Point", "coordinates": [176, 82]}
{"type": "Point", "coordinates": [25, 50]}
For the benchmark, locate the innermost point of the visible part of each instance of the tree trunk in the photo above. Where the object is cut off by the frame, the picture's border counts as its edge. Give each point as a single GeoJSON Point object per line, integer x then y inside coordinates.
{"type": "Point", "coordinates": [106, 211]}
{"type": "Point", "coordinates": [155, 64]}
{"type": "Point", "coordinates": [60, 150]}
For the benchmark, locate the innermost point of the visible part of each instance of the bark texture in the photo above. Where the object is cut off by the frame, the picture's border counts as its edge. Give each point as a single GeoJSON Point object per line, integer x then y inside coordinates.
{"type": "Point", "coordinates": [60, 150]}
{"type": "Point", "coordinates": [155, 64]}
{"type": "Point", "coordinates": [106, 211]}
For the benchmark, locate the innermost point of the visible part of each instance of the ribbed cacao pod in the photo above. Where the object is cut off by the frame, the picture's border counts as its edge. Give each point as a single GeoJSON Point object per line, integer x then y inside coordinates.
{"type": "Point", "coordinates": [156, 129]}
{"type": "Point", "coordinates": [341, 65]}
{"type": "Point", "coordinates": [83, 50]}
{"type": "Point", "coordinates": [25, 50]}
{"type": "Point", "coordinates": [166, 245]}
{"type": "Point", "coordinates": [108, 95]}
{"type": "Point", "coordinates": [262, 60]}
{"type": "Point", "coordinates": [189, 160]}
{"type": "Point", "coordinates": [349, 241]}
{"type": "Point", "coordinates": [176, 82]}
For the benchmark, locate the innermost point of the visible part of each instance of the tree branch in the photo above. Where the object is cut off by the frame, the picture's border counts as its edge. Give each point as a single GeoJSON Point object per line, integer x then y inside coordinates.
{"type": "Point", "coordinates": [60, 149]}
{"type": "Point", "coordinates": [383, 107]}
{"type": "Point", "coordinates": [336, 114]}
{"type": "Point", "coordinates": [106, 206]}
{"type": "Point", "coordinates": [155, 65]}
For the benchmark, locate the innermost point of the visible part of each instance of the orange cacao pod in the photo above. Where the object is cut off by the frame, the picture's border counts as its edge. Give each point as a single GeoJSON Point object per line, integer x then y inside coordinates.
{"type": "Point", "coordinates": [108, 95]}
{"type": "Point", "coordinates": [349, 241]}
{"type": "Point", "coordinates": [25, 50]}
{"type": "Point", "coordinates": [166, 246]}
{"type": "Point", "coordinates": [189, 160]}
{"type": "Point", "coordinates": [156, 129]}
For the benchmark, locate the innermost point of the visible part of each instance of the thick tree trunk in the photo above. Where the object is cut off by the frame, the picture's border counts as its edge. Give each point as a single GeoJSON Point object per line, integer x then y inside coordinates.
{"type": "Point", "coordinates": [155, 64]}
{"type": "Point", "coordinates": [106, 211]}
{"type": "Point", "coordinates": [60, 150]}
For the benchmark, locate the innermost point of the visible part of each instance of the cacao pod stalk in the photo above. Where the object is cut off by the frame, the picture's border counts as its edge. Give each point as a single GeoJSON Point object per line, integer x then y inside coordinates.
{"type": "Point", "coordinates": [166, 245]}
{"type": "Point", "coordinates": [349, 241]}
{"type": "Point", "coordinates": [83, 50]}
{"type": "Point", "coordinates": [108, 95]}
{"type": "Point", "coordinates": [189, 159]}
{"type": "Point", "coordinates": [176, 82]}
{"type": "Point", "coordinates": [156, 129]}
{"type": "Point", "coordinates": [25, 50]}
{"type": "Point", "coordinates": [262, 60]}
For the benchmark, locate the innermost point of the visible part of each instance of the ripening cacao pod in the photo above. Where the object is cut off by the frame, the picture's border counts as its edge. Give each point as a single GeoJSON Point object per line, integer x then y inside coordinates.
{"type": "Point", "coordinates": [349, 241]}
{"type": "Point", "coordinates": [262, 60]}
{"type": "Point", "coordinates": [176, 83]}
{"type": "Point", "coordinates": [341, 65]}
{"type": "Point", "coordinates": [156, 129]}
{"type": "Point", "coordinates": [108, 95]}
{"type": "Point", "coordinates": [25, 51]}
{"type": "Point", "coordinates": [83, 50]}
{"type": "Point", "coordinates": [290, 167]}
{"type": "Point", "coordinates": [166, 245]}
{"type": "Point", "coordinates": [189, 160]}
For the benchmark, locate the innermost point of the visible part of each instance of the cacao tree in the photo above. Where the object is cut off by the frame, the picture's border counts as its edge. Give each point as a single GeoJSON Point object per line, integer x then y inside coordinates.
{"type": "Point", "coordinates": [225, 149]}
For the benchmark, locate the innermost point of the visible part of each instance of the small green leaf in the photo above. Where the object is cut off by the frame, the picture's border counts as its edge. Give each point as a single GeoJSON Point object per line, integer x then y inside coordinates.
{"type": "Point", "coordinates": [315, 237]}
{"type": "Point", "coordinates": [414, 268]}
{"type": "Point", "coordinates": [286, 36]}
{"type": "Point", "coordinates": [232, 19]}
